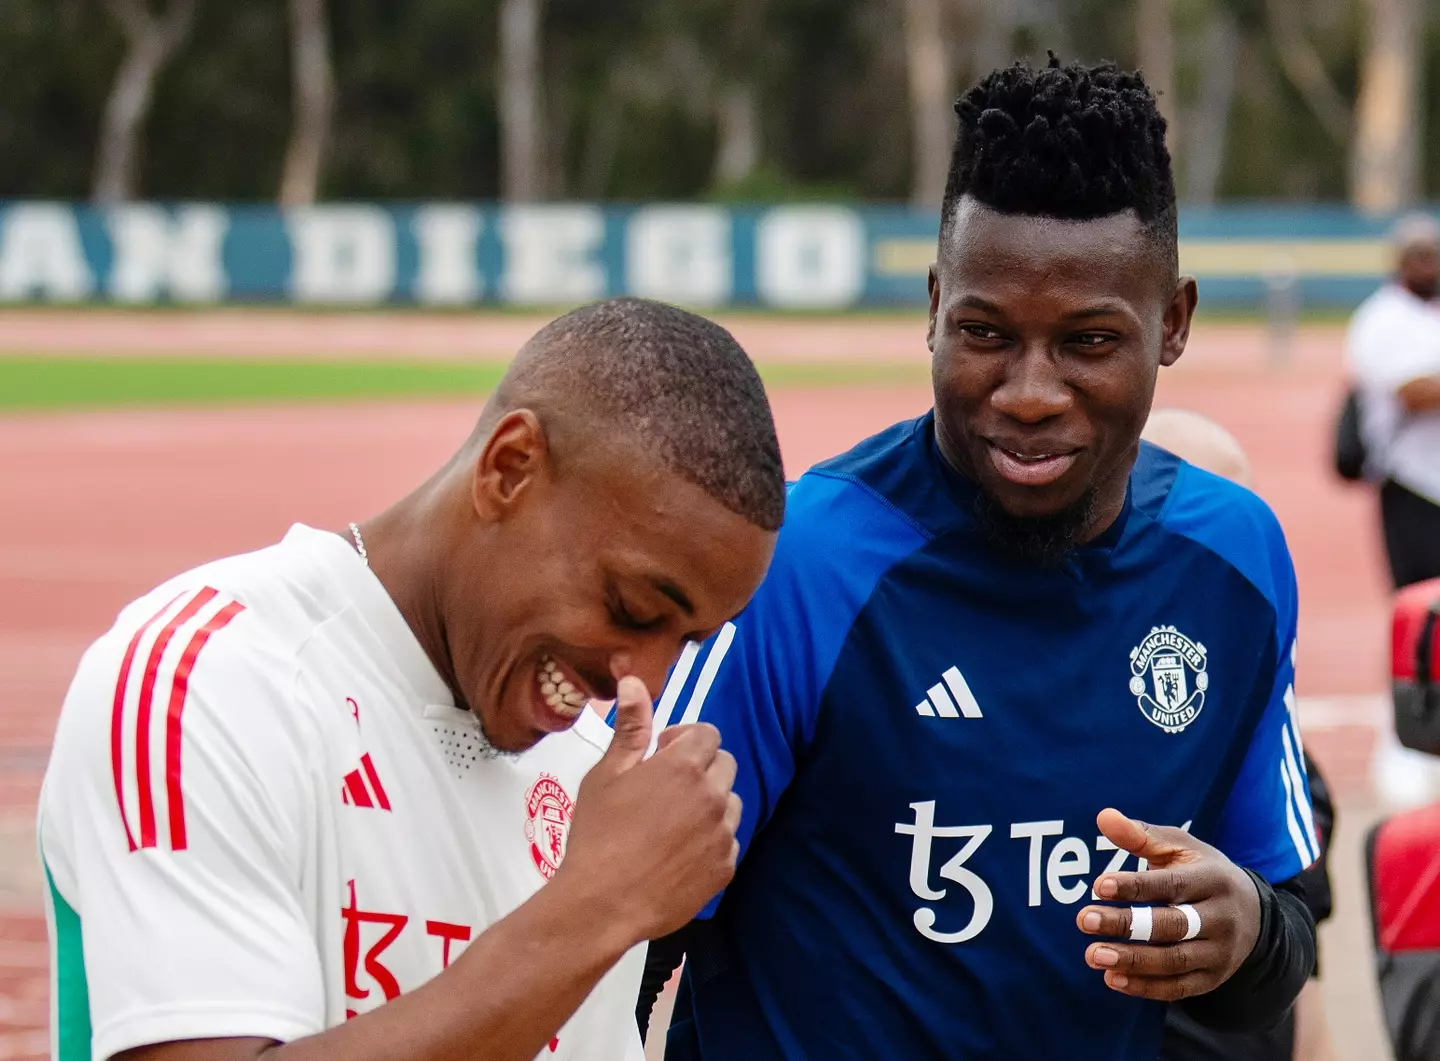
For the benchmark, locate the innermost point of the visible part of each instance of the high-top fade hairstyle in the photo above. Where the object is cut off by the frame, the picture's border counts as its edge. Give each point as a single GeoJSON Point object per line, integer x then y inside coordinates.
{"type": "Point", "coordinates": [1069, 142]}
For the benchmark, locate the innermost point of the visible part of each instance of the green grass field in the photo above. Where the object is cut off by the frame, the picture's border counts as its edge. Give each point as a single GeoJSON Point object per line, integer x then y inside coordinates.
{"type": "Point", "coordinates": [53, 383]}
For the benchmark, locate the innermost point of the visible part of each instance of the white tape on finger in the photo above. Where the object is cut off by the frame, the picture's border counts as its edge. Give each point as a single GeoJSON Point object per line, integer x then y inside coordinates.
{"type": "Point", "coordinates": [1192, 921]}
{"type": "Point", "coordinates": [1141, 922]}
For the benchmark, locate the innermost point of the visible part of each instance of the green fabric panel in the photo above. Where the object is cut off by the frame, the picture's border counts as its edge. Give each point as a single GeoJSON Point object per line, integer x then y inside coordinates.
{"type": "Point", "coordinates": [72, 992]}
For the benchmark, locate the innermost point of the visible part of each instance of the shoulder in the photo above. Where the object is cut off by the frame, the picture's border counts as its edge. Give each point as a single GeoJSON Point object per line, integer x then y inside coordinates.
{"type": "Point", "coordinates": [190, 696]}
{"type": "Point", "coordinates": [847, 523]}
{"type": "Point", "coordinates": [1227, 520]}
{"type": "Point", "coordinates": [226, 632]}
{"type": "Point", "coordinates": [870, 496]}
{"type": "Point", "coordinates": [847, 526]}
{"type": "Point", "coordinates": [893, 479]}
{"type": "Point", "coordinates": [272, 600]}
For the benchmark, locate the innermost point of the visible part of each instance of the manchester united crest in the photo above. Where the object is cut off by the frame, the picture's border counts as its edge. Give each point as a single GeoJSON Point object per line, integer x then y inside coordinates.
{"type": "Point", "coordinates": [1168, 678]}
{"type": "Point", "coordinates": [548, 811]}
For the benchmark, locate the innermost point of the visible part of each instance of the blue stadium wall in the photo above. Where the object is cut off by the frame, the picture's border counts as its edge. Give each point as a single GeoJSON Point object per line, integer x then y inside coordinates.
{"type": "Point", "coordinates": [796, 257]}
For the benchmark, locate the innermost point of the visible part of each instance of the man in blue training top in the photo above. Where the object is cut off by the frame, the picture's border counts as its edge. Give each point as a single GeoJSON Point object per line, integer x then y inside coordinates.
{"type": "Point", "coordinates": [996, 640]}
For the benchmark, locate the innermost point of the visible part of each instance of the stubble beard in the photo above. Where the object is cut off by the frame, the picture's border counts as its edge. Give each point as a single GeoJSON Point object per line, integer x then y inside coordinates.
{"type": "Point", "coordinates": [486, 750]}
{"type": "Point", "coordinates": [1042, 541]}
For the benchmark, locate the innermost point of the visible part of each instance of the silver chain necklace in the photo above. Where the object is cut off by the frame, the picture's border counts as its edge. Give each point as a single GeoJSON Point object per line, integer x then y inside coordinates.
{"type": "Point", "coordinates": [359, 544]}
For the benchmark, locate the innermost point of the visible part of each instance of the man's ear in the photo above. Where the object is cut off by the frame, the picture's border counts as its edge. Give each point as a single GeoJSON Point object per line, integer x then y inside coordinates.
{"type": "Point", "coordinates": [1178, 316]}
{"type": "Point", "coordinates": [514, 455]}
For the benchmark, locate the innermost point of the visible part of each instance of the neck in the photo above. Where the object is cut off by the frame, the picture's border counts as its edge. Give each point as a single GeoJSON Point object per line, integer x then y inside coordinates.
{"type": "Point", "coordinates": [1109, 503]}
{"type": "Point", "coordinates": [404, 550]}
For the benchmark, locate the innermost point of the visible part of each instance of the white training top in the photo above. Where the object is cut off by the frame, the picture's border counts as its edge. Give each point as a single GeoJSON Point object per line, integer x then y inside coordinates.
{"type": "Point", "coordinates": [264, 814]}
{"type": "Point", "coordinates": [1394, 338]}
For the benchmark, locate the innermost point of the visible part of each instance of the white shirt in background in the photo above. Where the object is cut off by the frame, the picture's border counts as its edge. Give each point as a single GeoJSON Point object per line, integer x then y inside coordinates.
{"type": "Point", "coordinates": [264, 814]}
{"type": "Point", "coordinates": [1393, 339]}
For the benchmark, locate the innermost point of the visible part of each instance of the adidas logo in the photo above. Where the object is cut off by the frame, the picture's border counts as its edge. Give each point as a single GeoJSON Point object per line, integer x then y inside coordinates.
{"type": "Point", "coordinates": [362, 787]}
{"type": "Point", "coordinates": [949, 698]}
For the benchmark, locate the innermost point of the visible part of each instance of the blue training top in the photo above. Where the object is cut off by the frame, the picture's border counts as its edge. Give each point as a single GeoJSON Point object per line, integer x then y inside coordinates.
{"type": "Point", "coordinates": [926, 730]}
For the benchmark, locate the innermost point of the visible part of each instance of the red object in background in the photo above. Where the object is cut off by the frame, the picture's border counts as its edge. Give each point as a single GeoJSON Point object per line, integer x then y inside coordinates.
{"type": "Point", "coordinates": [1413, 605]}
{"type": "Point", "coordinates": [1415, 665]}
{"type": "Point", "coordinates": [1406, 881]}
{"type": "Point", "coordinates": [1403, 852]}
{"type": "Point", "coordinates": [1403, 863]}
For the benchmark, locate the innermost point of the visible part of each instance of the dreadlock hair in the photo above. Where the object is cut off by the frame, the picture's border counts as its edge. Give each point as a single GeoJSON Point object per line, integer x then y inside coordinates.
{"type": "Point", "coordinates": [1068, 142]}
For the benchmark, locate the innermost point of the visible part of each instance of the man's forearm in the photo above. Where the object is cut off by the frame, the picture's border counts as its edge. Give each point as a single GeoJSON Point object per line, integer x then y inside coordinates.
{"type": "Point", "coordinates": [504, 998]}
{"type": "Point", "coordinates": [1268, 983]}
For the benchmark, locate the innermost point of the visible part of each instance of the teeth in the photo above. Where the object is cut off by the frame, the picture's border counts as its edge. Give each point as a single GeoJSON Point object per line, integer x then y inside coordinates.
{"type": "Point", "coordinates": [558, 692]}
{"type": "Point", "coordinates": [560, 707]}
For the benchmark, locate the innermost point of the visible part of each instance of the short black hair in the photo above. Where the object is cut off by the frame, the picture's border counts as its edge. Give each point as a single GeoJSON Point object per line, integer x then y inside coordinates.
{"type": "Point", "coordinates": [675, 382]}
{"type": "Point", "coordinates": [1070, 142]}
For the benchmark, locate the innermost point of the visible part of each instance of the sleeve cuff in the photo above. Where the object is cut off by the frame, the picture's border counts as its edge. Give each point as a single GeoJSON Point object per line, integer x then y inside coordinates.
{"type": "Point", "coordinates": [200, 1020]}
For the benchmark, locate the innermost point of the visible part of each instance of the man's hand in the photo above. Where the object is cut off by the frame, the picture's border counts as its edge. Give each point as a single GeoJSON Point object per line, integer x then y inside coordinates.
{"type": "Point", "coordinates": [1182, 870]}
{"type": "Point", "coordinates": [653, 840]}
{"type": "Point", "coordinates": [1420, 395]}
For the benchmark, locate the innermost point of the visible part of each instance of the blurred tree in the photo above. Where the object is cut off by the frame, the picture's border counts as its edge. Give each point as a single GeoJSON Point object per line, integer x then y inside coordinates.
{"type": "Point", "coordinates": [1155, 52]}
{"type": "Point", "coordinates": [1207, 120]}
{"type": "Point", "coordinates": [680, 99]}
{"type": "Point", "coordinates": [1303, 65]}
{"type": "Point", "coordinates": [313, 96]}
{"type": "Point", "coordinates": [994, 37]}
{"type": "Point", "coordinates": [629, 101]}
{"type": "Point", "coordinates": [727, 49]}
{"type": "Point", "coordinates": [521, 109]}
{"type": "Point", "coordinates": [931, 96]}
{"type": "Point", "coordinates": [58, 56]}
{"type": "Point", "coordinates": [150, 39]}
{"type": "Point", "coordinates": [1430, 90]}
{"type": "Point", "coordinates": [416, 109]}
{"type": "Point", "coordinates": [1384, 153]}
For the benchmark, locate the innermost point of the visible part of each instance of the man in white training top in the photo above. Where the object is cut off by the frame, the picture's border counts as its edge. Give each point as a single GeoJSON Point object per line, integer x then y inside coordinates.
{"type": "Point", "coordinates": [325, 800]}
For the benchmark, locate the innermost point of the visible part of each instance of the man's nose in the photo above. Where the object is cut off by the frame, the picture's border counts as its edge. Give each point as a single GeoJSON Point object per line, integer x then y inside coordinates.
{"type": "Point", "coordinates": [1034, 389]}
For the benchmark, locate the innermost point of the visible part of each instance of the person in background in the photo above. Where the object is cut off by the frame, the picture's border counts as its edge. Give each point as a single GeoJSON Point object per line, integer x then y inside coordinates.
{"type": "Point", "coordinates": [1393, 356]}
{"type": "Point", "coordinates": [1303, 1034]}
{"type": "Point", "coordinates": [1393, 353]}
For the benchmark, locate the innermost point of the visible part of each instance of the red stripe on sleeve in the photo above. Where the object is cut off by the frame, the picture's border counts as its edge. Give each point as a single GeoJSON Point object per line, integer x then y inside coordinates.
{"type": "Point", "coordinates": [175, 798]}
{"type": "Point", "coordinates": [356, 784]}
{"type": "Point", "coordinates": [374, 778]}
{"type": "Point", "coordinates": [147, 698]}
{"type": "Point", "coordinates": [117, 718]}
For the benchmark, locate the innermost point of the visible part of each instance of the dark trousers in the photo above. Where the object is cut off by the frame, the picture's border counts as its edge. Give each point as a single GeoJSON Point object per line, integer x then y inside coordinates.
{"type": "Point", "coordinates": [1412, 534]}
